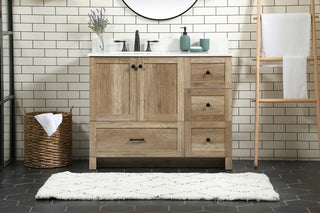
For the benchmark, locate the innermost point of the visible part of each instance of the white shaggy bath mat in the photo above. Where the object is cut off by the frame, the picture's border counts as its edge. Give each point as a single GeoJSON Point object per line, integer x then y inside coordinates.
{"type": "Point", "coordinates": [178, 186]}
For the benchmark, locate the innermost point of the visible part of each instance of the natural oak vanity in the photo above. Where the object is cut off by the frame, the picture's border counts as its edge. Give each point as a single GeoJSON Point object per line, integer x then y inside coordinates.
{"type": "Point", "coordinates": [155, 105]}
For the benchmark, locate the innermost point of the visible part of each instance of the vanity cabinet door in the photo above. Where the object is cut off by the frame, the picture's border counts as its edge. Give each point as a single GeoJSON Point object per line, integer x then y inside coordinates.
{"type": "Point", "coordinates": [160, 88]}
{"type": "Point", "coordinates": [112, 89]}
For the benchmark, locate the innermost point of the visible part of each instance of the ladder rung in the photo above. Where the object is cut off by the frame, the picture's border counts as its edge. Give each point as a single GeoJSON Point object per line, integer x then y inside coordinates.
{"type": "Point", "coordinates": [281, 100]}
{"type": "Point", "coordinates": [279, 59]}
{"type": "Point", "coordinates": [256, 18]}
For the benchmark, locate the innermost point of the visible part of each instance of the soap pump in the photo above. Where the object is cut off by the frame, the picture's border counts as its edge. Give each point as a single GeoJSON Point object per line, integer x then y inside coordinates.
{"type": "Point", "coordinates": [137, 41]}
{"type": "Point", "coordinates": [184, 40]}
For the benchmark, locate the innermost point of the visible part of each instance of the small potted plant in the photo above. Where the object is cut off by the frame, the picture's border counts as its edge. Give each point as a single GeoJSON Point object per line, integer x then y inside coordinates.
{"type": "Point", "coordinates": [98, 23]}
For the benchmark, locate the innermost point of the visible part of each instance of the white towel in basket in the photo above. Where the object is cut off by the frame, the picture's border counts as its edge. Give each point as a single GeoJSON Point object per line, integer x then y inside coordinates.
{"type": "Point", "coordinates": [49, 122]}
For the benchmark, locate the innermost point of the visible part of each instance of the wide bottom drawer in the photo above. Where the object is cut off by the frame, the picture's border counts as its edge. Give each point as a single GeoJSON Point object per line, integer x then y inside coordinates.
{"type": "Point", "coordinates": [136, 142]}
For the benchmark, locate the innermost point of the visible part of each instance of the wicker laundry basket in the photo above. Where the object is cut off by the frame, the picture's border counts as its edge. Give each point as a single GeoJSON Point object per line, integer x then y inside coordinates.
{"type": "Point", "coordinates": [42, 151]}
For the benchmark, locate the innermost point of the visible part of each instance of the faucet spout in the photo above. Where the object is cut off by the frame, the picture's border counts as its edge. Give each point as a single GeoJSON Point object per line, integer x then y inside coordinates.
{"type": "Point", "coordinates": [137, 41]}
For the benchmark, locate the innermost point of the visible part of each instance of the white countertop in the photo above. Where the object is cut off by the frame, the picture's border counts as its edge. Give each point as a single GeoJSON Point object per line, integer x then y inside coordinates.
{"type": "Point", "coordinates": [161, 54]}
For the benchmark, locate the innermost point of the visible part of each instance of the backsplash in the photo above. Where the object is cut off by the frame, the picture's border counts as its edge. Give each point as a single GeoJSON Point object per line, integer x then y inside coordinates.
{"type": "Point", "coordinates": [52, 40]}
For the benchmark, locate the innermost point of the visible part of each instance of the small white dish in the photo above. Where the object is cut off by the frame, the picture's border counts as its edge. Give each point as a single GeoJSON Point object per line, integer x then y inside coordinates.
{"type": "Point", "coordinates": [196, 49]}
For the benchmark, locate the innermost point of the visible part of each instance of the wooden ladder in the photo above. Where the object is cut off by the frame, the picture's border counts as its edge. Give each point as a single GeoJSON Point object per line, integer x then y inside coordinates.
{"type": "Point", "coordinates": [258, 59]}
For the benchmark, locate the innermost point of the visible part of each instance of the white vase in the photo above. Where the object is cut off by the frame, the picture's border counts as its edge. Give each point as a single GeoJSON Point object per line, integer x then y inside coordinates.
{"type": "Point", "coordinates": [98, 44]}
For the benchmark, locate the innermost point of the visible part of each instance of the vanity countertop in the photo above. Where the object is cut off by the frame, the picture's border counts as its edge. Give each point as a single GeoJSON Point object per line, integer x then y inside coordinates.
{"type": "Point", "coordinates": [161, 54]}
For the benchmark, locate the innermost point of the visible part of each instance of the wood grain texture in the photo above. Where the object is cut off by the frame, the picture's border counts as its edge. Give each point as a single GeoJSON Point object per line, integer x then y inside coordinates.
{"type": "Point", "coordinates": [315, 64]}
{"type": "Point", "coordinates": [228, 104]}
{"type": "Point", "coordinates": [208, 104]}
{"type": "Point", "coordinates": [258, 59]}
{"type": "Point", "coordinates": [114, 91]}
{"type": "Point", "coordinates": [92, 146]}
{"type": "Point", "coordinates": [228, 73]}
{"type": "Point", "coordinates": [258, 44]}
{"type": "Point", "coordinates": [131, 125]}
{"type": "Point", "coordinates": [218, 75]}
{"type": "Point", "coordinates": [160, 90]}
{"type": "Point", "coordinates": [228, 139]}
{"type": "Point", "coordinates": [137, 142]}
{"type": "Point", "coordinates": [161, 107]}
{"type": "Point", "coordinates": [196, 140]}
{"type": "Point", "coordinates": [181, 139]}
{"type": "Point", "coordinates": [181, 80]}
{"type": "Point", "coordinates": [228, 163]}
{"type": "Point", "coordinates": [208, 73]}
{"type": "Point", "coordinates": [93, 109]}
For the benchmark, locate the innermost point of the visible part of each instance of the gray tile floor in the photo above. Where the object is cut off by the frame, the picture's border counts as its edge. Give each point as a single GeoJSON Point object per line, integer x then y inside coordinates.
{"type": "Point", "coordinates": [298, 184]}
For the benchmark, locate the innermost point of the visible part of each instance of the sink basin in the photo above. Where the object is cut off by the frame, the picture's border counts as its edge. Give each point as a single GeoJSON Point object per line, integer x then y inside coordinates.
{"type": "Point", "coordinates": [135, 53]}
{"type": "Point", "coordinates": [164, 48]}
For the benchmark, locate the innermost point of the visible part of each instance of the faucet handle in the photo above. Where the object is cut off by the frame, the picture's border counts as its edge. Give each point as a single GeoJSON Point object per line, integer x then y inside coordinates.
{"type": "Point", "coordinates": [124, 48]}
{"type": "Point", "coordinates": [148, 47]}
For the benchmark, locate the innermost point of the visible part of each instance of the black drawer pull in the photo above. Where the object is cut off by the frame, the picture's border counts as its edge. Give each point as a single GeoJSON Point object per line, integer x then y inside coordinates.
{"type": "Point", "coordinates": [208, 105]}
{"type": "Point", "coordinates": [208, 72]}
{"type": "Point", "coordinates": [140, 66]}
{"type": "Point", "coordinates": [208, 140]}
{"type": "Point", "coordinates": [133, 66]}
{"type": "Point", "coordinates": [136, 140]}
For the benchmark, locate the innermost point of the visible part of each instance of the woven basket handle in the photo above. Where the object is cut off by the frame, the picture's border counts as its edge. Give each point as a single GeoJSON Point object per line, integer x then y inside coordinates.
{"type": "Point", "coordinates": [24, 109]}
{"type": "Point", "coordinates": [71, 109]}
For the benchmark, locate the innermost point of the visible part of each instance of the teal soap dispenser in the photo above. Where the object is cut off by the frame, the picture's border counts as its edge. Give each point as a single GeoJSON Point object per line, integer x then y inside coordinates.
{"type": "Point", "coordinates": [184, 41]}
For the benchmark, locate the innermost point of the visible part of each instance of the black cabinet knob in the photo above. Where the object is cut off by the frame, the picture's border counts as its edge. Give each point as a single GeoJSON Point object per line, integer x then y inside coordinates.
{"type": "Point", "coordinates": [208, 140]}
{"type": "Point", "coordinates": [208, 72]}
{"type": "Point", "coordinates": [140, 66]}
{"type": "Point", "coordinates": [133, 66]}
{"type": "Point", "coordinates": [208, 105]}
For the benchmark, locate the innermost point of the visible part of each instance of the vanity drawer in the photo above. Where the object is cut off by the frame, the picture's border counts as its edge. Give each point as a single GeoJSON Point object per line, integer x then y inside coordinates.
{"type": "Point", "coordinates": [208, 74]}
{"type": "Point", "coordinates": [212, 106]}
{"type": "Point", "coordinates": [205, 140]}
{"type": "Point", "coordinates": [136, 142]}
{"type": "Point", "coordinates": [208, 105]}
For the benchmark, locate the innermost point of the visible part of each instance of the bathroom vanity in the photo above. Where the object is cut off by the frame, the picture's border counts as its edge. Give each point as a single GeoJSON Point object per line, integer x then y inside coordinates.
{"type": "Point", "coordinates": [160, 105]}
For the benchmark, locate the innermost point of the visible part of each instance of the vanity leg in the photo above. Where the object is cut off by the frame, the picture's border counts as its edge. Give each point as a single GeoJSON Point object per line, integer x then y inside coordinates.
{"type": "Point", "coordinates": [228, 163]}
{"type": "Point", "coordinates": [92, 163]}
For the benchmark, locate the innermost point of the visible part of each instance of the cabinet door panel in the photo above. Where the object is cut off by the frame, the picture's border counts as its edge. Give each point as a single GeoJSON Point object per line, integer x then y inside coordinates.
{"type": "Point", "coordinates": [115, 91]}
{"type": "Point", "coordinates": [160, 91]}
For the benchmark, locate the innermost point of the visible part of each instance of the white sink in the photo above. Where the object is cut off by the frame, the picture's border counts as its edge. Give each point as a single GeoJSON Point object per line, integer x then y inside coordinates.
{"type": "Point", "coordinates": [165, 48]}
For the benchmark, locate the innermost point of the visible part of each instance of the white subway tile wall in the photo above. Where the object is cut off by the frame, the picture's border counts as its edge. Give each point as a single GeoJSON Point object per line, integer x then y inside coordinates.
{"type": "Point", "coordinates": [51, 42]}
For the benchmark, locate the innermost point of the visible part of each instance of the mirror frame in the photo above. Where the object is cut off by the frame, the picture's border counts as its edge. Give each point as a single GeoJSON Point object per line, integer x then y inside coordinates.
{"type": "Point", "coordinates": [163, 18]}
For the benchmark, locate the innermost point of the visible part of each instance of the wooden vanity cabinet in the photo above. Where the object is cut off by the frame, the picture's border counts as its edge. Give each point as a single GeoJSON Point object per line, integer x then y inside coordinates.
{"type": "Point", "coordinates": [208, 105]}
{"type": "Point", "coordinates": [159, 107]}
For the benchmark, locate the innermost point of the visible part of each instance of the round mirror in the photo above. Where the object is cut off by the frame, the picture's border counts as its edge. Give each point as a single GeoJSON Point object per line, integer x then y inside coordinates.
{"type": "Point", "coordinates": [159, 9]}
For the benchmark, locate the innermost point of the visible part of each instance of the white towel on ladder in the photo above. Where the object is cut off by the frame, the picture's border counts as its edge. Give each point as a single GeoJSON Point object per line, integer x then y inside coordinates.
{"type": "Point", "coordinates": [294, 77]}
{"type": "Point", "coordinates": [286, 35]}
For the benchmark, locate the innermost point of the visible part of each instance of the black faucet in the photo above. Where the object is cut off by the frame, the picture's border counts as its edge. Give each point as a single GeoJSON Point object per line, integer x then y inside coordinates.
{"type": "Point", "coordinates": [137, 41]}
{"type": "Point", "coordinates": [148, 46]}
{"type": "Point", "coordinates": [124, 48]}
